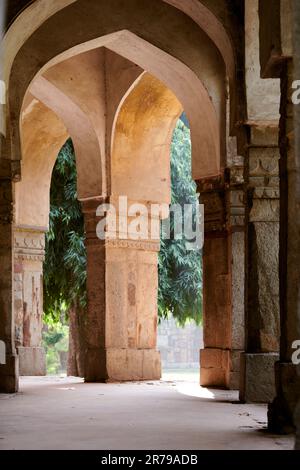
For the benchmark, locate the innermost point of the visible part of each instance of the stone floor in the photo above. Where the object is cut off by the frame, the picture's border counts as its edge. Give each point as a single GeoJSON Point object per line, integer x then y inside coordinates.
{"type": "Point", "coordinates": [64, 413]}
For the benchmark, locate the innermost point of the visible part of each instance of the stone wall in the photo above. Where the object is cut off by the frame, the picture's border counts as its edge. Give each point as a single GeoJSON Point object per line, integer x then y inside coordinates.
{"type": "Point", "coordinates": [179, 346]}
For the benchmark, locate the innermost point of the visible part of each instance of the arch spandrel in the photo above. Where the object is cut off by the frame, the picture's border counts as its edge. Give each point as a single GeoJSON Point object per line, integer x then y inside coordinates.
{"type": "Point", "coordinates": [35, 53]}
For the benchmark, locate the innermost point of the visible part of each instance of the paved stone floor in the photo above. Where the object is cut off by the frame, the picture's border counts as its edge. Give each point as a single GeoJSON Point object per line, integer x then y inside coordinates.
{"type": "Point", "coordinates": [64, 413]}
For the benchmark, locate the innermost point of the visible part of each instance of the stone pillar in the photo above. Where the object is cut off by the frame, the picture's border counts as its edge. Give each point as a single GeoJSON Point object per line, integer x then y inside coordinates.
{"type": "Point", "coordinates": [236, 233]}
{"type": "Point", "coordinates": [216, 357]}
{"type": "Point", "coordinates": [29, 252]}
{"type": "Point", "coordinates": [296, 47]}
{"type": "Point", "coordinates": [10, 370]}
{"type": "Point", "coordinates": [282, 409]}
{"type": "Point", "coordinates": [262, 266]}
{"type": "Point", "coordinates": [121, 324]}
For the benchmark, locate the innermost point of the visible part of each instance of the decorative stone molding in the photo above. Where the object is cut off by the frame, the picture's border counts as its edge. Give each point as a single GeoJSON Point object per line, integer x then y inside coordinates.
{"type": "Point", "coordinates": [29, 243]}
{"type": "Point", "coordinates": [236, 208]}
{"type": "Point", "coordinates": [121, 240]}
{"type": "Point", "coordinates": [215, 183]}
{"type": "Point", "coordinates": [212, 195]}
{"type": "Point", "coordinates": [223, 199]}
{"type": "Point", "coordinates": [236, 175]}
{"type": "Point", "coordinates": [264, 172]}
{"type": "Point", "coordinates": [235, 194]}
{"type": "Point", "coordinates": [145, 245]}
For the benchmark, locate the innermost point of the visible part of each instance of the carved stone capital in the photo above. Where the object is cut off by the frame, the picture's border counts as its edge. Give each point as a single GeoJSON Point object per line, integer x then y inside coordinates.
{"type": "Point", "coordinates": [236, 175]}
{"type": "Point", "coordinates": [212, 196]}
{"type": "Point", "coordinates": [235, 194]}
{"type": "Point", "coordinates": [223, 199]}
{"type": "Point", "coordinates": [144, 245]}
{"type": "Point", "coordinates": [117, 228]}
{"type": "Point", "coordinates": [236, 207]}
{"type": "Point", "coordinates": [213, 184]}
{"type": "Point", "coordinates": [29, 243]}
{"type": "Point", "coordinates": [264, 172]}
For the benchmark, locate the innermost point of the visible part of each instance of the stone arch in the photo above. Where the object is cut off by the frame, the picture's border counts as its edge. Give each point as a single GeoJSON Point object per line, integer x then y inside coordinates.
{"type": "Point", "coordinates": [61, 88]}
{"type": "Point", "coordinates": [212, 75]}
{"type": "Point", "coordinates": [141, 139]}
{"type": "Point", "coordinates": [66, 90]}
{"type": "Point", "coordinates": [35, 14]}
{"type": "Point", "coordinates": [198, 81]}
{"type": "Point", "coordinates": [43, 134]}
{"type": "Point", "coordinates": [189, 90]}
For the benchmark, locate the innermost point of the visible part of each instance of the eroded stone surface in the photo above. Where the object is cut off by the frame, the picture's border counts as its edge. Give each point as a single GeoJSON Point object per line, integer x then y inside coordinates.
{"type": "Point", "coordinates": [258, 385]}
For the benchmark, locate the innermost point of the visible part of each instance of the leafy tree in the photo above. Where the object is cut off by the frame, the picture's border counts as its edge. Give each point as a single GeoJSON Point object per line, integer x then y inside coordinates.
{"type": "Point", "coordinates": [65, 262]}
{"type": "Point", "coordinates": [180, 272]}
{"type": "Point", "coordinates": [55, 342]}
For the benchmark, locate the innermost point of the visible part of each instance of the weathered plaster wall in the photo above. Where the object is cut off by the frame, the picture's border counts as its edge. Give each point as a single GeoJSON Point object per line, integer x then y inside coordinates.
{"type": "Point", "coordinates": [29, 250]}
{"type": "Point", "coordinates": [263, 95]}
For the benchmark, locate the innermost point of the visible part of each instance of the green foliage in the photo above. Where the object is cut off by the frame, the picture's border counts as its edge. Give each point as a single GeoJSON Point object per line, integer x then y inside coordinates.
{"type": "Point", "coordinates": [65, 263]}
{"type": "Point", "coordinates": [180, 274]}
{"type": "Point", "coordinates": [180, 271]}
{"type": "Point", "coordinates": [55, 342]}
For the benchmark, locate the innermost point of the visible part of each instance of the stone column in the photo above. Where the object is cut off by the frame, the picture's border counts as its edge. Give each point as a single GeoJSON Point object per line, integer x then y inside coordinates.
{"type": "Point", "coordinates": [10, 370]}
{"type": "Point", "coordinates": [215, 358]}
{"type": "Point", "coordinates": [262, 266]}
{"type": "Point", "coordinates": [236, 233]}
{"type": "Point", "coordinates": [121, 319]}
{"type": "Point", "coordinates": [29, 244]}
{"type": "Point", "coordinates": [287, 381]}
{"type": "Point", "coordinates": [296, 47]}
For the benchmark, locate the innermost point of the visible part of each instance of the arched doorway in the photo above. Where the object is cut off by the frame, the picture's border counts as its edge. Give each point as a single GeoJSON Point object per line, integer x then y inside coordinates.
{"type": "Point", "coordinates": [201, 92]}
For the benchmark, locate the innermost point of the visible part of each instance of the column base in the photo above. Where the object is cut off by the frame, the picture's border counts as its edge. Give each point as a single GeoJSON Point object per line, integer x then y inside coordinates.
{"type": "Point", "coordinates": [281, 411]}
{"type": "Point", "coordinates": [121, 365]}
{"type": "Point", "coordinates": [9, 375]}
{"type": "Point", "coordinates": [32, 361]}
{"type": "Point", "coordinates": [258, 377]}
{"type": "Point", "coordinates": [220, 368]}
